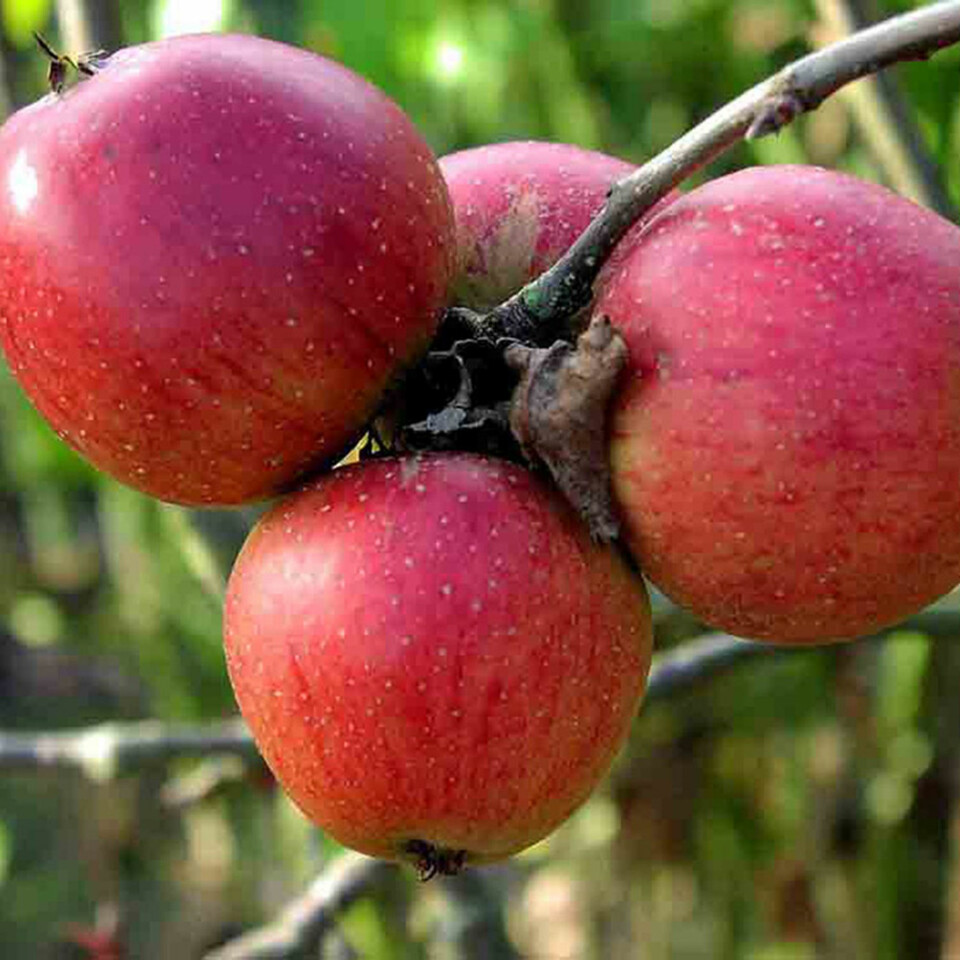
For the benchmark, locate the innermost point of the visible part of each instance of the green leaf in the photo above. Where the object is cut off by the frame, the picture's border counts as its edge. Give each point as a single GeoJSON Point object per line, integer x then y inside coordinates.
{"type": "Point", "coordinates": [22, 17]}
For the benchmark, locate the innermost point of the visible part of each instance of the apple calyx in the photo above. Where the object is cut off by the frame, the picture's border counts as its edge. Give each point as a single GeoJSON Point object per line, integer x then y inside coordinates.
{"type": "Point", "coordinates": [431, 861]}
{"type": "Point", "coordinates": [85, 65]}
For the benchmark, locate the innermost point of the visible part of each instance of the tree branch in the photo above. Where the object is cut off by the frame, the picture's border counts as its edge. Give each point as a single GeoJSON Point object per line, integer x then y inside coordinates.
{"type": "Point", "coordinates": [537, 312]}
{"type": "Point", "coordinates": [472, 924]}
{"type": "Point", "coordinates": [302, 924]}
{"type": "Point", "coordinates": [107, 750]}
{"type": "Point", "coordinates": [697, 660]}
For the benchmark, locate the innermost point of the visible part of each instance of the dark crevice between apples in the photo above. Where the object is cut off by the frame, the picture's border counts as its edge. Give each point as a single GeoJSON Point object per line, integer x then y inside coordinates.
{"type": "Point", "coordinates": [530, 381]}
{"type": "Point", "coordinates": [509, 396]}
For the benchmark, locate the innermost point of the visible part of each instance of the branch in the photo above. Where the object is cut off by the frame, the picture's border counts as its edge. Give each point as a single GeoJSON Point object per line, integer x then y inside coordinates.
{"type": "Point", "coordinates": [702, 659]}
{"type": "Point", "coordinates": [303, 922]}
{"type": "Point", "coordinates": [698, 660]}
{"type": "Point", "coordinates": [472, 926]}
{"type": "Point", "coordinates": [210, 778]}
{"type": "Point", "coordinates": [104, 751]}
{"type": "Point", "coordinates": [107, 750]}
{"type": "Point", "coordinates": [536, 313]}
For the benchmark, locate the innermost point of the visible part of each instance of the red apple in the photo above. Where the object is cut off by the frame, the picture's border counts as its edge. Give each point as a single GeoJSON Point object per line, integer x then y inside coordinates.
{"type": "Point", "coordinates": [786, 445]}
{"type": "Point", "coordinates": [215, 254]}
{"type": "Point", "coordinates": [435, 660]}
{"type": "Point", "coordinates": [518, 207]}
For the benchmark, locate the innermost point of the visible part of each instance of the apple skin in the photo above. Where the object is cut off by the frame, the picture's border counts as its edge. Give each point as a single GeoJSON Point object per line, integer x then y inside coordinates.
{"type": "Point", "coordinates": [432, 649]}
{"type": "Point", "coordinates": [215, 254]}
{"type": "Point", "coordinates": [786, 443]}
{"type": "Point", "coordinates": [518, 207]}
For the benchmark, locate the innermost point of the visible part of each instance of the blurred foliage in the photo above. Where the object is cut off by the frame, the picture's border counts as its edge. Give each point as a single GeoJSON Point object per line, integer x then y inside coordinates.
{"type": "Point", "coordinates": [22, 17]}
{"type": "Point", "coordinates": [798, 807]}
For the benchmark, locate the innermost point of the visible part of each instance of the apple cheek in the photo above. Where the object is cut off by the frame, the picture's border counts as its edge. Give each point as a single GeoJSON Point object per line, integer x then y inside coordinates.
{"type": "Point", "coordinates": [785, 445]}
{"type": "Point", "coordinates": [455, 666]}
{"type": "Point", "coordinates": [756, 534]}
{"type": "Point", "coordinates": [202, 319]}
{"type": "Point", "coordinates": [771, 528]}
{"type": "Point", "coordinates": [518, 207]}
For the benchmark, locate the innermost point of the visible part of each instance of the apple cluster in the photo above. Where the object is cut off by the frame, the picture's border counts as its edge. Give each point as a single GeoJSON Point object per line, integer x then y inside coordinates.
{"type": "Point", "coordinates": [222, 257]}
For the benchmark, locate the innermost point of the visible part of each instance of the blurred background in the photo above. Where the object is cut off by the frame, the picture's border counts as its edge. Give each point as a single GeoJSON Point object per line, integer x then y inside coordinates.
{"type": "Point", "coordinates": [800, 805]}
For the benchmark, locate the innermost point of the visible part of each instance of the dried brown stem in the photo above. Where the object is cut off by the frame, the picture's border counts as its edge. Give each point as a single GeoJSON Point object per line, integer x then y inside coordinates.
{"type": "Point", "coordinates": [559, 412]}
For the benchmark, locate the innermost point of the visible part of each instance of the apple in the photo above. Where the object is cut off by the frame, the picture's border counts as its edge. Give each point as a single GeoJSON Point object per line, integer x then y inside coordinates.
{"type": "Point", "coordinates": [785, 445]}
{"type": "Point", "coordinates": [518, 207]}
{"type": "Point", "coordinates": [215, 254]}
{"type": "Point", "coordinates": [435, 660]}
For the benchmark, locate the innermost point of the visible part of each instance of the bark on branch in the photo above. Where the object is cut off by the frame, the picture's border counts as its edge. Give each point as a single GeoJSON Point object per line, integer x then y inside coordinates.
{"type": "Point", "coordinates": [107, 750]}
{"type": "Point", "coordinates": [303, 923]}
{"type": "Point", "coordinates": [110, 749]}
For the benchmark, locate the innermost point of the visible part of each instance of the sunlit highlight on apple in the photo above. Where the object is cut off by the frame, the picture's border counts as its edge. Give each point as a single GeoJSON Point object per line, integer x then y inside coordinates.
{"type": "Point", "coordinates": [23, 183]}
